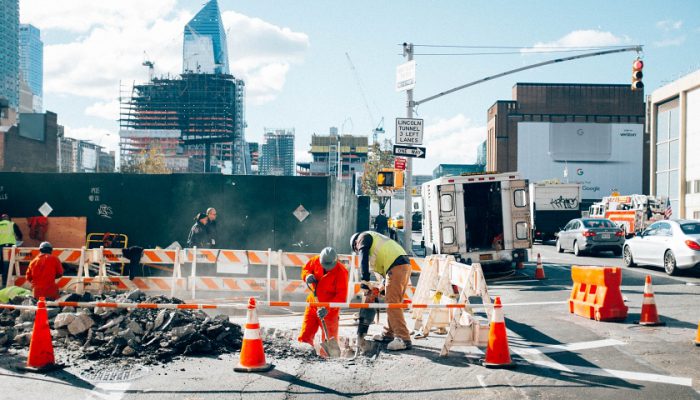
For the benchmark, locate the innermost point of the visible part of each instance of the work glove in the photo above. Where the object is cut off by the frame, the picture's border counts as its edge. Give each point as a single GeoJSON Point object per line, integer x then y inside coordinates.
{"type": "Point", "coordinates": [310, 279]}
{"type": "Point", "coordinates": [322, 312]}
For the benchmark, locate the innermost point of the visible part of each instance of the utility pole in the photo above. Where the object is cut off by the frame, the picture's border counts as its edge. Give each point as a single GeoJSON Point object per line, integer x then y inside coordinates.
{"type": "Point", "coordinates": [408, 218]}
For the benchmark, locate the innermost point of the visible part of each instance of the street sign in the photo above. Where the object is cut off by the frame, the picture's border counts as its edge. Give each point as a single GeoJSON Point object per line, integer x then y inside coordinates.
{"type": "Point", "coordinates": [406, 76]}
{"type": "Point", "coordinates": [409, 131]}
{"type": "Point", "coordinates": [408, 151]}
{"type": "Point", "coordinates": [400, 163]}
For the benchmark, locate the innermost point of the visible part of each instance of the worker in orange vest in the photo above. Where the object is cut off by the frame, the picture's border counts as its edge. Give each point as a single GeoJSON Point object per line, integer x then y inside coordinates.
{"type": "Point", "coordinates": [330, 279]}
{"type": "Point", "coordinates": [43, 272]}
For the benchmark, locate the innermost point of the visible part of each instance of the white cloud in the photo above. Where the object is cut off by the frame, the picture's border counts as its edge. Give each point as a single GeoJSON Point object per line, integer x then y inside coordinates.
{"type": "Point", "coordinates": [106, 110]}
{"type": "Point", "coordinates": [677, 41]}
{"type": "Point", "coordinates": [450, 141]}
{"type": "Point", "coordinates": [116, 37]}
{"type": "Point", "coordinates": [580, 38]}
{"type": "Point", "coordinates": [669, 25]}
{"type": "Point", "coordinates": [99, 136]}
{"type": "Point", "coordinates": [302, 156]}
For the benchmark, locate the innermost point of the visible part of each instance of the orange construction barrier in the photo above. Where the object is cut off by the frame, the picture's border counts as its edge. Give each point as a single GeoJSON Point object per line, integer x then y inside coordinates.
{"type": "Point", "coordinates": [649, 316]}
{"type": "Point", "coordinates": [539, 272]}
{"type": "Point", "coordinates": [596, 293]}
{"type": "Point", "coordinates": [497, 352]}
{"type": "Point", "coordinates": [41, 357]}
{"type": "Point", "coordinates": [697, 337]}
{"type": "Point", "coordinates": [252, 357]}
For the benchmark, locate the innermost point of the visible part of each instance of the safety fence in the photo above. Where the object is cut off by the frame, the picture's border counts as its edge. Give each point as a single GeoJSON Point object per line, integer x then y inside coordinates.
{"type": "Point", "coordinates": [225, 262]}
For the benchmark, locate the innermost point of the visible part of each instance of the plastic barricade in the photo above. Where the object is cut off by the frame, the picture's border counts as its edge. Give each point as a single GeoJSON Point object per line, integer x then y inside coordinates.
{"type": "Point", "coordinates": [596, 293]}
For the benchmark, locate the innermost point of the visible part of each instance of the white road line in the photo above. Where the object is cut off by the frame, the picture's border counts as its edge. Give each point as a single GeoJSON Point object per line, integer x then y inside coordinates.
{"type": "Point", "coordinates": [558, 348]}
{"type": "Point", "coordinates": [604, 372]}
{"type": "Point", "coordinates": [109, 391]}
{"type": "Point", "coordinates": [483, 384]}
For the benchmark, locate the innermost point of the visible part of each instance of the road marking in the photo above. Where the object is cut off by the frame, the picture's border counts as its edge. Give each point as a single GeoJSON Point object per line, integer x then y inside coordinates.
{"type": "Point", "coordinates": [558, 348]}
{"type": "Point", "coordinates": [604, 372]}
{"type": "Point", "coordinates": [109, 390]}
{"type": "Point", "coordinates": [483, 384]}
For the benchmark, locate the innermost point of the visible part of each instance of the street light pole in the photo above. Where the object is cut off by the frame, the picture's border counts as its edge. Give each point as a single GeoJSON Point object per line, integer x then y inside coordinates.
{"type": "Point", "coordinates": [408, 218]}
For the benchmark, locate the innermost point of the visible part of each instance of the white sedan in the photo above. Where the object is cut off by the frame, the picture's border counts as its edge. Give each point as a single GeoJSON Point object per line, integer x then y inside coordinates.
{"type": "Point", "coordinates": [674, 245]}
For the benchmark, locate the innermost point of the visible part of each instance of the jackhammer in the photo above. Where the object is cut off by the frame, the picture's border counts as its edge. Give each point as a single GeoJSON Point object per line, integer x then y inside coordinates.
{"type": "Point", "coordinates": [366, 317]}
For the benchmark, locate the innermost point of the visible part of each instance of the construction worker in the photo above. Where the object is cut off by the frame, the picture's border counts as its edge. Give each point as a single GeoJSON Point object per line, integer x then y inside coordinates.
{"type": "Point", "coordinates": [330, 279]}
{"type": "Point", "coordinates": [9, 235]}
{"type": "Point", "coordinates": [43, 272]}
{"type": "Point", "coordinates": [387, 258]}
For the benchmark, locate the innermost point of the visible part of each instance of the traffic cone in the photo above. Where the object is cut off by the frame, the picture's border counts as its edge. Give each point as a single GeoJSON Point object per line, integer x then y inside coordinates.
{"type": "Point", "coordinates": [697, 337]}
{"type": "Point", "coordinates": [649, 316]}
{"type": "Point", "coordinates": [41, 357]}
{"type": "Point", "coordinates": [539, 272]}
{"type": "Point", "coordinates": [252, 357]}
{"type": "Point", "coordinates": [497, 353]}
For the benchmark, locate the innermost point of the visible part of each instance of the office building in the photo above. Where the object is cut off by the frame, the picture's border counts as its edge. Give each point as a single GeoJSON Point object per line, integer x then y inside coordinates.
{"type": "Point", "coordinates": [204, 46]}
{"type": "Point", "coordinates": [31, 65]}
{"type": "Point", "coordinates": [277, 155]}
{"type": "Point", "coordinates": [9, 52]}
{"type": "Point", "coordinates": [674, 115]}
{"type": "Point", "coordinates": [592, 134]}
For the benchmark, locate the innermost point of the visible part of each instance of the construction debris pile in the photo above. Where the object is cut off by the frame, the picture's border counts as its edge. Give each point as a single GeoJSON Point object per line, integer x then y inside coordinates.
{"type": "Point", "coordinates": [155, 335]}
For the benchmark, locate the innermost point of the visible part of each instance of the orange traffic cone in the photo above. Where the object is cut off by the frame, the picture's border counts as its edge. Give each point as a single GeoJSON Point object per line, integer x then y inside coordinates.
{"type": "Point", "coordinates": [649, 316]}
{"type": "Point", "coordinates": [252, 357]}
{"type": "Point", "coordinates": [539, 272]}
{"type": "Point", "coordinates": [41, 357]}
{"type": "Point", "coordinates": [497, 353]}
{"type": "Point", "coordinates": [697, 337]}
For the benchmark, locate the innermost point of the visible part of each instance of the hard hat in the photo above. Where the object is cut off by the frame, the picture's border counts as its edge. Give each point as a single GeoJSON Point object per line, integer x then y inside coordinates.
{"type": "Point", "coordinates": [352, 241]}
{"type": "Point", "coordinates": [5, 216]}
{"type": "Point", "coordinates": [45, 247]}
{"type": "Point", "coordinates": [328, 258]}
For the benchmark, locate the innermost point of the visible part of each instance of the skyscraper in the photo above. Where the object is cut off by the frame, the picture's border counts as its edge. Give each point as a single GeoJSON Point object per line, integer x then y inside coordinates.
{"type": "Point", "coordinates": [9, 51]}
{"type": "Point", "coordinates": [277, 156]}
{"type": "Point", "coordinates": [31, 63]}
{"type": "Point", "coordinates": [204, 48]}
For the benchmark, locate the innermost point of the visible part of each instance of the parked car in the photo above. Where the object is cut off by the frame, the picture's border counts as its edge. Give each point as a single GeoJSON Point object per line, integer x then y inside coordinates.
{"type": "Point", "coordinates": [674, 245]}
{"type": "Point", "coordinates": [417, 221]}
{"type": "Point", "coordinates": [591, 235]}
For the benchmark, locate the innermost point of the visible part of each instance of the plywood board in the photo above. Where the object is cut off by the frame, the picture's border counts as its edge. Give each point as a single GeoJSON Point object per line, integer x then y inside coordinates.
{"type": "Point", "coordinates": [63, 232]}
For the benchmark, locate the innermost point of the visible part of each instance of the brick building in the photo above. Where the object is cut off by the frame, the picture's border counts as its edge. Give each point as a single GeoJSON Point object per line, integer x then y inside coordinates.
{"type": "Point", "coordinates": [31, 145]}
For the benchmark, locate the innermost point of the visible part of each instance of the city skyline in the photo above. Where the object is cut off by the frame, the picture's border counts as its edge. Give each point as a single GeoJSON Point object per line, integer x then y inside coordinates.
{"type": "Point", "coordinates": [293, 60]}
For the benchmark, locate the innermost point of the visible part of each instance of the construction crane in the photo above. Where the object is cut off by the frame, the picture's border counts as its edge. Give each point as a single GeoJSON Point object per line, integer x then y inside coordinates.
{"type": "Point", "coordinates": [150, 64]}
{"type": "Point", "coordinates": [379, 129]}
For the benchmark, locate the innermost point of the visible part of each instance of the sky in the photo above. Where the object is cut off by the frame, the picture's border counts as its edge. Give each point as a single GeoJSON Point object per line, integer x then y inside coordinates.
{"type": "Point", "coordinates": [293, 56]}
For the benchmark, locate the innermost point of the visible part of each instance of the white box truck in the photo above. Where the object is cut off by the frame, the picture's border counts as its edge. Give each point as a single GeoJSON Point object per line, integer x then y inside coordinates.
{"type": "Point", "coordinates": [552, 206]}
{"type": "Point", "coordinates": [482, 218]}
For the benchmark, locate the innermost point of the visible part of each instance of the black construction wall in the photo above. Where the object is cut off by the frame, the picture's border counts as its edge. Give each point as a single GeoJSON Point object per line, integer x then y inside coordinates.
{"type": "Point", "coordinates": [254, 212]}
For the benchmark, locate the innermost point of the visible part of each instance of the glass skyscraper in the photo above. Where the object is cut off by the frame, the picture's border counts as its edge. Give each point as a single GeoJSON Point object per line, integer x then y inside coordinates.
{"type": "Point", "coordinates": [277, 156]}
{"type": "Point", "coordinates": [204, 49]}
{"type": "Point", "coordinates": [9, 51]}
{"type": "Point", "coordinates": [31, 62]}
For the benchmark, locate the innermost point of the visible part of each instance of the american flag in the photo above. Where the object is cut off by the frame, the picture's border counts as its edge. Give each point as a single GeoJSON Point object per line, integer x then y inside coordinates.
{"type": "Point", "coordinates": [668, 212]}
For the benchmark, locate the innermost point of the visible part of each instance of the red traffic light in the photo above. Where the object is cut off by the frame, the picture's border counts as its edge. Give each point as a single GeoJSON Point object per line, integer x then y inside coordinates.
{"type": "Point", "coordinates": [637, 65]}
{"type": "Point", "coordinates": [637, 74]}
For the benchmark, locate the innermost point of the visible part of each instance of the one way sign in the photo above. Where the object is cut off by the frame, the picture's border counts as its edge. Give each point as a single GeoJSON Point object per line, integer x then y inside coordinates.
{"type": "Point", "coordinates": [409, 151]}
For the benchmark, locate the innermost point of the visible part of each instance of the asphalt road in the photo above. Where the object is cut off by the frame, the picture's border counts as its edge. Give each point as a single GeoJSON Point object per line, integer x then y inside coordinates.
{"type": "Point", "coordinates": [558, 355]}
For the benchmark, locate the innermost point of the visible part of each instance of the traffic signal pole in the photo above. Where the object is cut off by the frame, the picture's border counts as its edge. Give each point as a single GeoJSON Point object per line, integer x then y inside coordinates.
{"type": "Point", "coordinates": [407, 184]}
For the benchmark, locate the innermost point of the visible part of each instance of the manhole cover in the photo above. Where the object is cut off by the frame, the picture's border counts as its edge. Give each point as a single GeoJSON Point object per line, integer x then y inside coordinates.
{"type": "Point", "coordinates": [114, 373]}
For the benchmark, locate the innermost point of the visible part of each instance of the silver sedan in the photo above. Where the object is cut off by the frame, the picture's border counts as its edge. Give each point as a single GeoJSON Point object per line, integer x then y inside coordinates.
{"type": "Point", "coordinates": [674, 245]}
{"type": "Point", "coordinates": [590, 235]}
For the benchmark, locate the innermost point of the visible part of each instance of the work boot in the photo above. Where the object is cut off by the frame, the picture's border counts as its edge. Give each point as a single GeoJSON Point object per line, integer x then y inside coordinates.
{"type": "Point", "coordinates": [398, 344]}
{"type": "Point", "coordinates": [381, 338]}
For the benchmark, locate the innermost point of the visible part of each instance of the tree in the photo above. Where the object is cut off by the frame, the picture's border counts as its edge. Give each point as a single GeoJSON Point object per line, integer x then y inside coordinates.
{"type": "Point", "coordinates": [151, 161]}
{"type": "Point", "coordinates": [376, 160]}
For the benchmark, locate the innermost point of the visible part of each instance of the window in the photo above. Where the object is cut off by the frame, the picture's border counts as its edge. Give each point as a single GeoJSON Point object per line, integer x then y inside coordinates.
{"type": "Point", "coordinates": [448, 235]}
{"type": "Point", "coordinates": [446, 203]}
{"type": "Point", "coordinates": [521, 230]}
{"type": "Point", "coordinates": [692, 228]}
{"type": "Point", "coordinates": [664, 229]}
{"type": "Point", "coordinates": [598, 223]}
{"type": "Point", "coordinates": [520, 198]}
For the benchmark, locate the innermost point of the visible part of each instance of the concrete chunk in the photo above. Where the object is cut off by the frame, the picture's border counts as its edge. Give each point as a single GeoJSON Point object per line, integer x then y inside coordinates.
{"type": "Point", "coordinates": [63, 319]}
{"type": "Point", "coordinates": [80, 324]}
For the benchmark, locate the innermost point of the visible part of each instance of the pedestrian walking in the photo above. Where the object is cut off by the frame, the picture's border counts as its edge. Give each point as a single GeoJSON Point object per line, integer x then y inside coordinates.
{"type": "Point", "coordinates": [211, 227]}
{"type": "Point", "coordinates": [198, 233]}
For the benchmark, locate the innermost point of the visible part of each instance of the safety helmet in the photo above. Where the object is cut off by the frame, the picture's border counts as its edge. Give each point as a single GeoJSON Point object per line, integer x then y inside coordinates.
{"type": "Point", "coordinates": [352, 241]}
{"type": "Point", "coordinates": [328, 258]}
{"type": "Point", "coordinates": [45, 247]}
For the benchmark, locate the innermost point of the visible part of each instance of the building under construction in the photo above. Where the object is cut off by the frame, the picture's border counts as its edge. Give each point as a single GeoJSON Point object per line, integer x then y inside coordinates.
{"type": "Point", "coordinates": [334, 152]}
{"type": "Point", "coordinates": [196, 121]}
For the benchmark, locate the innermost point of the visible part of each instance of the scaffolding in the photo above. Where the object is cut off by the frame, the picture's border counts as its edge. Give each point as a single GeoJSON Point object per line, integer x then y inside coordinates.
{"type": "Point", "coordinates": [195, 116]}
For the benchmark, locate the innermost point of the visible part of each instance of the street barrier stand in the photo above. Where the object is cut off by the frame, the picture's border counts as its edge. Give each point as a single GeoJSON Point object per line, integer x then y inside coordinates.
{"type": "Point", "coordinates": [596, 293]}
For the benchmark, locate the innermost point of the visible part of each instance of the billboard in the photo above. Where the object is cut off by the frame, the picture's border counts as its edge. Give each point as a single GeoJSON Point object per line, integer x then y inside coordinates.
{"type": "Point", "coordinates": [601, 157]}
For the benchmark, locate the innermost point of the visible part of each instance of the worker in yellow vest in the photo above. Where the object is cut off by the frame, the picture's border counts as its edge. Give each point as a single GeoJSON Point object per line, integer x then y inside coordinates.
{"type": "Point", "coordinates": [388, 259]}
{"type": "Point", "coordinates": [9, 235]}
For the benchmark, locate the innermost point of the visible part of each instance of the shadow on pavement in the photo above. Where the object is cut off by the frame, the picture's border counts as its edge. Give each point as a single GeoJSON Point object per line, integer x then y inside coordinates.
{"type": "Point", "coordinates": [11, 362]}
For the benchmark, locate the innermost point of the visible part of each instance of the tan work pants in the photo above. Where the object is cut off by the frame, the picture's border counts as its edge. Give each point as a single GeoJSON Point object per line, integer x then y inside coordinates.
{"type": "Point", "coordinates": [396, 283]}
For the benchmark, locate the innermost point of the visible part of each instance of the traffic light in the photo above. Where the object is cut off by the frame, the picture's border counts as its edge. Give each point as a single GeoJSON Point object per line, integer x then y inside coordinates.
{"type": "Point", "coordinates": [637, 75]}
{"type": "Point", "coordinates": [385, 178]}
{"type": "Point", "coordinates": [398, 179]}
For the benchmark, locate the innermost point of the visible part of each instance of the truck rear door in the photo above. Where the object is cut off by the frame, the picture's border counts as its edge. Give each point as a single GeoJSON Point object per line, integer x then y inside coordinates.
{"type": "Point", "coordinates": [520, 214]}
{"type": "Point", "coordinates": [447, 203]}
